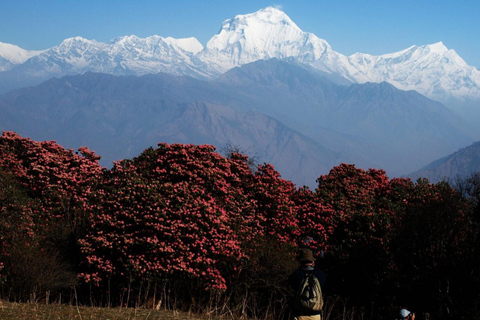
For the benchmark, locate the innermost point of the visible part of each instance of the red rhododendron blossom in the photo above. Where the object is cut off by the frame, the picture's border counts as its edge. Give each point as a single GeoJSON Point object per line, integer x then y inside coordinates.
{"type": "Point", "coordinates": [57, 181]}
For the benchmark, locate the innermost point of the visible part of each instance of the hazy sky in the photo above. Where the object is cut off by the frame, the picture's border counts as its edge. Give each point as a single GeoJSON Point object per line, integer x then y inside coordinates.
{"type": "Point", "coordinates": [349, 26]}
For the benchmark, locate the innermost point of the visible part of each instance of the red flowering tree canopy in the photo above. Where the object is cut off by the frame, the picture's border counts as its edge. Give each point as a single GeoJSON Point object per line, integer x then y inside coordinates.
{"type": "Point", "coordinates": [315, 221]}
{"type": "Point", "coordinates": [173, 209]}
{"type": "Point", "coordinates": [185, 212]}
{"type": "Point", "coordinates": [431, 227]}
{"type": "Point", "coordinates": [360, 200]}
{"type": "Point", "coordinates": [45, 193]}
{"type": "Point", "coordinates": [58, 179]}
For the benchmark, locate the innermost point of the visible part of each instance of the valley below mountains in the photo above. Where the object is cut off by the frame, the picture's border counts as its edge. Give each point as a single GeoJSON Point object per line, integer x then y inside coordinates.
{"type": "Point", "coordinates": [279, 94]}
{"type": "Point", "coordinates": [277, 112]}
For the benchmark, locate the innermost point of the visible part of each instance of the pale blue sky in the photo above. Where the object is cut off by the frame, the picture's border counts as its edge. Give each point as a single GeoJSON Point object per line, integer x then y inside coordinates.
{"type": "Point", "coordinates": [349, 26]}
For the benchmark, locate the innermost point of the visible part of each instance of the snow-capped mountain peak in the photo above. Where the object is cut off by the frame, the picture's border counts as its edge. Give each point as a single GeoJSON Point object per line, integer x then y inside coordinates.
{"type": "Point", "coordinates": [15, 54]}
{"type": "Point", "coordinates": [11, 55]}
{"type": "Point", "coordinates": [438, 47]}
{"type": "Point", "coordinates": [188, 44]}
{"type": "Point", "coordinates": [433, 70]}
{"type": "Point", "coordinates": [151, 46]}
{"type": "Point", "coordinates": [78, 46]}
{"type": "Point", "coordinates": [121, 56]}
{"type": "Point", "coordinates": [265, 34]}
{"type": "Point", "coordinates": [267, 16]}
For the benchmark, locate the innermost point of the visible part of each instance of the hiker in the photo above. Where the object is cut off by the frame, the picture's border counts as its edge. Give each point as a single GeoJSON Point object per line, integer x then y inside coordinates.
{"type": "Point", "coordinates": [404, 314]}
{"type": "Point", "coordinates": [302, 311]}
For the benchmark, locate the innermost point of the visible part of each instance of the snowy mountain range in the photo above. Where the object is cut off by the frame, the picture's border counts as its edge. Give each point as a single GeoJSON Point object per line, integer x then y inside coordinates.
{"type": "Point", "coordinates": [433, 70]}
{"type": "Point", "coordinates": [261, 84]}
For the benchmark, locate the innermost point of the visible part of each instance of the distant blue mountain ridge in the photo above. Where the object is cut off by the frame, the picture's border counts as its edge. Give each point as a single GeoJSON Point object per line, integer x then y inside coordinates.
{"type": "Point", "coordinates": [303, 121]}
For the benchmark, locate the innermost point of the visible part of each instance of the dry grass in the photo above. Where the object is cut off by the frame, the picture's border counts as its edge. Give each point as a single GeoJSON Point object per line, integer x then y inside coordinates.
{"type": "Point", "coordinates": [37, 311]}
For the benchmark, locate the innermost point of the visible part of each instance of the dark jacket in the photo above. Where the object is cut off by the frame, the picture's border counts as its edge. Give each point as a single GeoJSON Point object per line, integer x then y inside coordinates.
{"type": "Point", "coordinates": [295, 280]}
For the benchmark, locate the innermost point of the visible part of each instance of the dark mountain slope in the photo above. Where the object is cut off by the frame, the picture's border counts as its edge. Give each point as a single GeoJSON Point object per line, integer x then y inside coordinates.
{"type": "Point", "coordinates": [301, 121]}
{"type": "Point", "coordinates": [118, 117]}
{"type": "Point", "coordinates": [377, 122]}
{"type": "Point", "coordinates": [461, 164]}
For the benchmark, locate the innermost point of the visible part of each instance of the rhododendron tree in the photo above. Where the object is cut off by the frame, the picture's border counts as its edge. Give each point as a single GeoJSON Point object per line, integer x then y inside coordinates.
{"type": "Point", "coordinates": [184, 219]}
{"type": "Point", "coordinates": [57, 183]}
{"type": "Point", "coordinates": [270, 243]}
{"type": "Point", "coordinates": [435, 216]}
{"type": "Point", "coordinates": [166, 213]}
{"type": "Point", "coordinates": [360, 200]}
{"type": "Point", "coordinates": [15, 218]}
{"type": "Point", "coordinates": [315, 221]}
{"type": "Point", "coordinates": [186, 212]}
{"type": "Point", "coordinates": [275, 204]}
{"type": "Point", "coordinates": [359, 242]}
{"type": "Point", "coordinates": [432, 243]}
{"type": "Point", "coordinates": [395, 238]}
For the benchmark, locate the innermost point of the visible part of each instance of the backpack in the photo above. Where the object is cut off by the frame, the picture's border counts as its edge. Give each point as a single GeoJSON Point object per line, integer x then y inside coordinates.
{"type": "Point", "coordinates": [309, 294]}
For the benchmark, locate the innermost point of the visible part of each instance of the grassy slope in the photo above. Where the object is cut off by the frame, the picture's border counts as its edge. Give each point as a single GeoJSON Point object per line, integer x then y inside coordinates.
{"type": "Point", "coordinates": [37, 311]}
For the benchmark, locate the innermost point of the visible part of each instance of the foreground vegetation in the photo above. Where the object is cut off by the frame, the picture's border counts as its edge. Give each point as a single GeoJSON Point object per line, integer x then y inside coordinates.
{"type": "Point", "coordinates": [184, 228]}
{"type": "Point", "coordinates": [40, 311]}
{"type": "Point", "coordinates": [334, 310]}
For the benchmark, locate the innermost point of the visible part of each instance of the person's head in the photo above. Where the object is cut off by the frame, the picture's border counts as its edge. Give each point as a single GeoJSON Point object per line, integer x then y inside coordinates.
{"type": "Point", "coordinates": [305, 257]}
{"type": "Point", "coordinates": [405, 314]}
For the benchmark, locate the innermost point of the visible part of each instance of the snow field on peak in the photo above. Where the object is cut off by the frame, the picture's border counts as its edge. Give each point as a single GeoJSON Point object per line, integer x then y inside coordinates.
{"type": "Point", "coordinates": [15, 54]}
{"type": "Point", "coordinates": [268, 33]}
{"type": "Point", "coordinates": [123, 55]}
{"type": "Point", "coordinates": [188, 44]}
{"type": "Point", "coordinates": [433, 70]}
{"type": "Point", "coordinates": [149, 44]}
